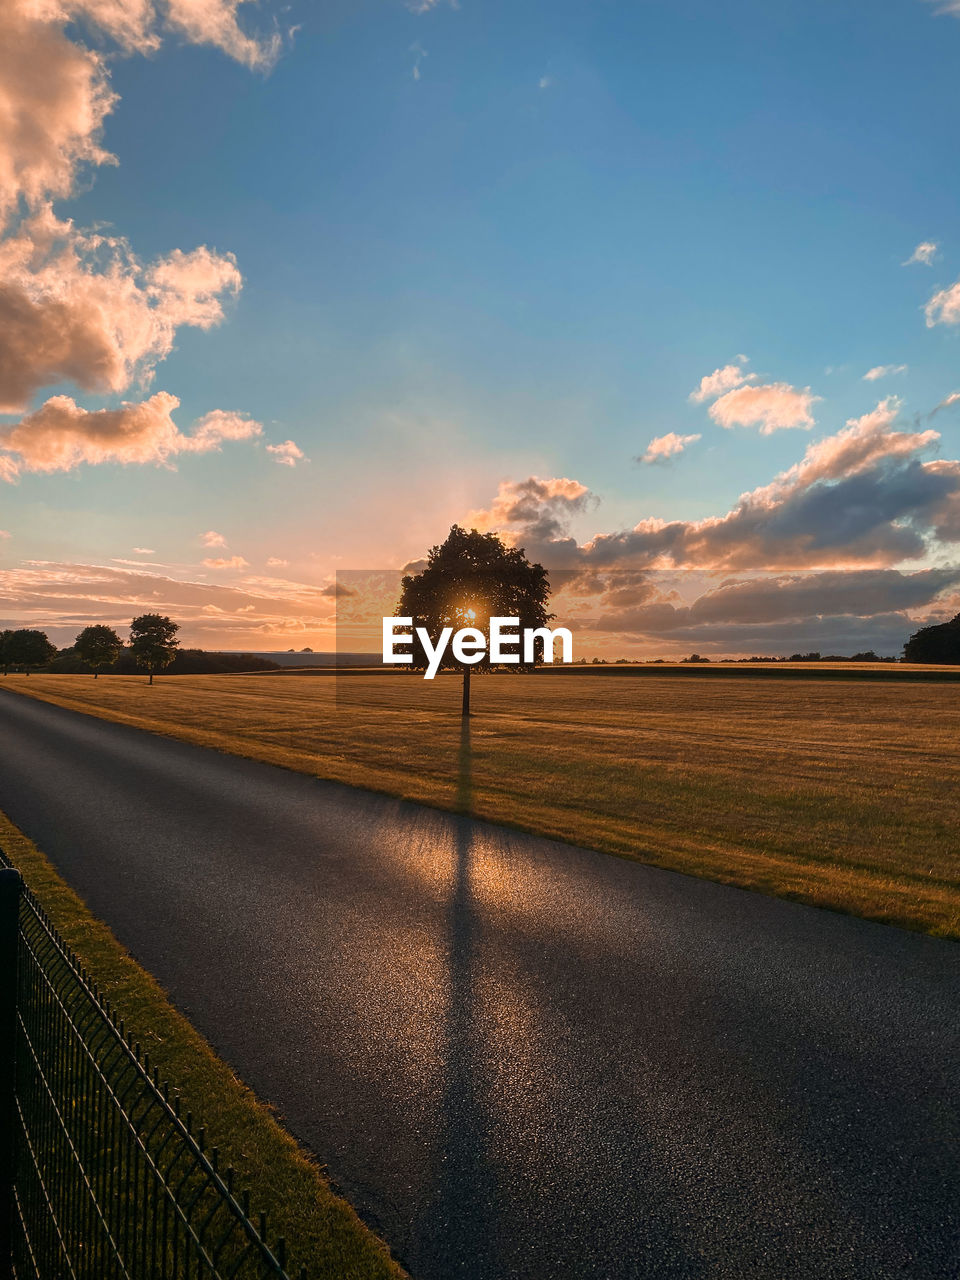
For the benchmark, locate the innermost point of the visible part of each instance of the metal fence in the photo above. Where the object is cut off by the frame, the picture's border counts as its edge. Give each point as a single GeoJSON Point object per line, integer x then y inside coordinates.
{"type": "Point", "coordinates": [101, 1175]}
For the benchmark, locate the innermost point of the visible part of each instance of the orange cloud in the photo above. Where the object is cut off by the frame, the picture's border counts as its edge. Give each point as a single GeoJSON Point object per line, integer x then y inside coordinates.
{"type": "Point", "coordinates": [772, 407]}
{"type": "Point", "coordinates": [61, 435]}
{"type": "Point", "coordinates": [287, 454]}
{"type": "Point", "coordinates": [233, 562]}
{"type": "Point", "coordinates": [249, 612]}
{"type": "Point", "coordinates": [215, 22]}
{"type": "Point", "coordinates": [662, 448]}
{"type": "Point", "coordinates": [81, 307]}
{"type": "Point", "coordinates": [541, 507]}
{"type": "Point", "coordinates": [54, 96]}
{"type": "Point", "coordinates": [859, 498]}
{"type": "Point", "coordinates": [721, 380]}
{"type": "Point", "coordinates": [944, 306]}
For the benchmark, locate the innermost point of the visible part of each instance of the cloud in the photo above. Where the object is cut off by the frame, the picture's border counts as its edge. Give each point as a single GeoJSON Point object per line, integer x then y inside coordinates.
{"type": "Point", "coordinates": [287, 454]}
{"type": "Point", "coordinates": [947, 402]}
{"type": "Point", "coordinates": [721, 380]}
{"type": "Point", "coordinates": [231, 562]}
{"type": "Point", "coordinates": [534, 509]}
{"type": "Point", "coordinates": [239, 612]}
{"type": "Point", "coordinates": [662, 448]}
{"type": "Point", "coordinates": [80, 307]}
{"type": "Point", "coordinates": [213, 539]}
{"type": "Point", "coordinates": [862, 498]}
{"type": "Point", "coordinates": [273, 562]}
{"type": "Point", "coordinates": [5, 533]}
{"type": "Point", "coordinates": [832, 611]}
{"type": "Point", "coordinates": [946, 6]}
{"type": "Point", "coordinates": [55, 92]}
{"type": "Point", "coordinates": [210, 431]}
{"type": "Point", "coordinates": [54, 97]}
{"type": "Point", "coordinates": [544, 82]}
{"type": "Point", "coordinates": [883, 371]}
{"type": "Point", "coordinates": [925, 252]}
{"type": "Point", "coordinates": [215, 22]}
{"type": "Point", "coordinates": [144, 551]}
{"type": "Point", "coordinates": [772, 407]}
{"type": "Point", "coordinates": [61, 435]}
{"type": "Point", "coordinates": [944, 306]}
{"type": "Point", "coordinates": [419, 53]}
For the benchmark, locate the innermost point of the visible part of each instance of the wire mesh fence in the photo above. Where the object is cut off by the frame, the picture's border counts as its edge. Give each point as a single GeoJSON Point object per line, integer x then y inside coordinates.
{"type": "Point", "coordinates": [106, 1178]}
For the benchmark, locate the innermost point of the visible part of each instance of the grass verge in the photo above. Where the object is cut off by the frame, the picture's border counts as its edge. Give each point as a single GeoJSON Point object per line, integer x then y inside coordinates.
{"type": "Point", "coordinates": [323, 1232]}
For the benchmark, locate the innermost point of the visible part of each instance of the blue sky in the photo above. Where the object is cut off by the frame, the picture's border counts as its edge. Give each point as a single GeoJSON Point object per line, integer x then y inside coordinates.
{"type": "Point", "coordinates": [501, 240]}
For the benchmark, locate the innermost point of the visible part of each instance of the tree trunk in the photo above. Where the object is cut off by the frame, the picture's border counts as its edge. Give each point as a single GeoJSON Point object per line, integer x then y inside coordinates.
{"type": "Point", "coordinates": [95, 674]}
{"type": "Point", "coordinates": [151, 675]}
{"type": "Point", "coordinates": [465, 706]}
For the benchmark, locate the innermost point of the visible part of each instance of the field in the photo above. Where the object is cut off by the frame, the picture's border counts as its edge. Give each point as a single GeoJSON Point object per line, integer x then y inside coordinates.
{"type": "Point", "coordinates": [837, 792]}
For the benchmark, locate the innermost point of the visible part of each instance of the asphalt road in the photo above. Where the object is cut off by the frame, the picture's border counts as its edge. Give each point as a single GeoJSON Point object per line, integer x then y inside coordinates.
{"type": "Point", "coordinates": [522, 1059]}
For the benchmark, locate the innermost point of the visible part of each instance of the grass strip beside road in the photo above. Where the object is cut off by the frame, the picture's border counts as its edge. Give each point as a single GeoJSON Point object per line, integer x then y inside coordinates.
{"type": "Point", "coordinates": [323, 1232]}
{"type": "Point", "coordinates": [837, 793]}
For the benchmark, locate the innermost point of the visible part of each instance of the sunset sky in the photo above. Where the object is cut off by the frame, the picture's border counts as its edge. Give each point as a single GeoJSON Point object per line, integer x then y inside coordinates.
{"type": "Point", "coordinates": [287, 289]}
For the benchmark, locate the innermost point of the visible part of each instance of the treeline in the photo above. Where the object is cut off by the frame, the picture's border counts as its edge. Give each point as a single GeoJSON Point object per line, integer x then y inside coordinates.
{"type": "Point", "coordinates": [186, 662]}
{"type": "Point", "coordinates": [153, 646]}
{"type": "Point", "coordinates": [937, 644]}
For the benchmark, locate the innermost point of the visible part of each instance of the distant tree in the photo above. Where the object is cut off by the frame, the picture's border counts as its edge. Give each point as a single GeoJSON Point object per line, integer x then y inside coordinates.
{"type": "Point", "coordinates": [468, 579]}
{"type": "Point", "coordinates": [98, 647]}
{"type": "Point", "coordinates": [813, 656]}
{"type": "Point", "coordinates": [153, 642]}
{"type": "Point", "coordinates": [867, 656]}
{"type": "Point", "coordinates": [27, 649]}
{"type": "Point", "coordinates": [4, 650]}
{"type": "Point", "coordinates": [694, 657]}
{"type": "Point", "coordinates": [939, 643]}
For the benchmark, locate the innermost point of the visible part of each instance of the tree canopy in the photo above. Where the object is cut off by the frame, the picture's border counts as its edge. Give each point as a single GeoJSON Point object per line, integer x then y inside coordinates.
{"type": "Point", "coordinates": [469, 579]}
{"type": "Point", "coordinates": [98, 646]}
{"type": "Point", "coordinates": [26, 649]}
{"type": "Point", "coordinates": [153, 641]}
{"type": "Point", "coordinates": [940, 643]}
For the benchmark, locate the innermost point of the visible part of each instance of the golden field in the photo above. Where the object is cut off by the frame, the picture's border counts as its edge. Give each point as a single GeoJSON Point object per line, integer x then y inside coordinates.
{"type": "Point", "coordinates": [837, 792]}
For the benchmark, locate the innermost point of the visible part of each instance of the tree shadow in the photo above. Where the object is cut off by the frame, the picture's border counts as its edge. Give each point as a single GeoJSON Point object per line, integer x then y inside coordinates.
{"type": "Point", "coordinates": [458, 1236]}
{"type": "Point", "coordinates": [464, 797]}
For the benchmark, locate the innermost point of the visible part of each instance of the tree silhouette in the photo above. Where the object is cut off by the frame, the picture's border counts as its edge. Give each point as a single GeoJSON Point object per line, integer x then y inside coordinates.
{"type": "Point", "coordinates": [27, 649]}
{"type": "Point", "coordinates": [98, 647]}
{"type": "Point", "coordinates": [939, 643]}
{"type": "Point", "coordinates": [153, 641]}
{"type": "Point", "coordinates": [469, 579]}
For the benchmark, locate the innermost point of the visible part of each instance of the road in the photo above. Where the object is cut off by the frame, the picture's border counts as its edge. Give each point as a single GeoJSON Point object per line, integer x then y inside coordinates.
{"type": "Point", "coordinates": [519, 1058]}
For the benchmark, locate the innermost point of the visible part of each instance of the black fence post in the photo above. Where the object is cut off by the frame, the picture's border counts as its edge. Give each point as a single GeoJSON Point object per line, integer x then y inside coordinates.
{"type": "Point", "coordinates": [10, 886]}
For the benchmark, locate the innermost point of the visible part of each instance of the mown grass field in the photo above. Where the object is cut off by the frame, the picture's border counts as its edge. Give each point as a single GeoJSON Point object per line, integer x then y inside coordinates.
{"type": "Point", "coordinates": [838, 792]}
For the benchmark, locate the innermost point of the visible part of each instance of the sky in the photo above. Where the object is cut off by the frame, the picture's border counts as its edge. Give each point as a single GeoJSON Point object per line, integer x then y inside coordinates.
{"type": "Point", "coordinates": [667, 292]}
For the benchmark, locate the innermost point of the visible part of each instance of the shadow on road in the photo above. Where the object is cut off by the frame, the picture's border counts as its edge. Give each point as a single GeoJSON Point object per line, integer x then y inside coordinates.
{"type": "Point", "coordinates": [458, 1236]}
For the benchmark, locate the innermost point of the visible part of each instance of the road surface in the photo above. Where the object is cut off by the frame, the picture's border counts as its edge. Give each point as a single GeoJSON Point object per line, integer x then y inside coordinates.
{"type": "Point", "coordinates": [518, 1058]}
